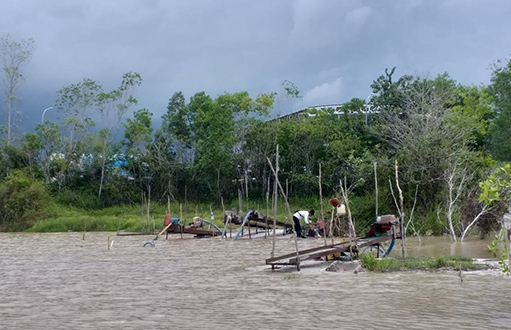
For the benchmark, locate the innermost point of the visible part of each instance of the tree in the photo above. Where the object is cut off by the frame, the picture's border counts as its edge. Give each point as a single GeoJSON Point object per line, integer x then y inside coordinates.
{"type": "Point", "coordinates": [177, 126]}
{"type": "Point", "coordinates": [500, 128]}
{"type": "Point", "coordinates": [497, 188]}
{"type": "Point", "coordinates": [13, 54]}
{"type": "Point", "coordinates": [52, 144]}
{"type": "Point", "coordinates": [138, 133]}
{"type": "Point", "coordinates": [23, 155]}
{"type": "Point", "coordinates": [137, 137]}
{"type": "Point", "coordinates": [78, 103]}
{"type": "Point", "coordinates": [83, 103]}
{"type": "Point", "coordinates": [389, 94]}
{"type": "Point", "coordinates": [101, 146]}
{"type": "Point", "coordinates": [419, 133]}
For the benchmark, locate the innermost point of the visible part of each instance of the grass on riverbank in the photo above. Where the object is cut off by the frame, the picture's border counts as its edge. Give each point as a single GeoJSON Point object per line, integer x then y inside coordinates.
{"type": "Point", "coordinates": [456, 262]}
{"type": "Point", "coordinates": [133, 218]}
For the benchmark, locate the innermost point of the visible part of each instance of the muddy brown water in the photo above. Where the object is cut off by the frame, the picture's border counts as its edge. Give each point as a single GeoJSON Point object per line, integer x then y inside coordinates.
{"type": "Point", "coordinates": [59, 281]}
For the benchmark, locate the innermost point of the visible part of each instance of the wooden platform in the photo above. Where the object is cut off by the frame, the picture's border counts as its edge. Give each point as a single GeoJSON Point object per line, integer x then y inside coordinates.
{"type": "Point", "coordinates": [256, 219]}
{"type": "Point", "coordinates": [202, 232]}
{"type": "Point", "coordinates": [384, 231]}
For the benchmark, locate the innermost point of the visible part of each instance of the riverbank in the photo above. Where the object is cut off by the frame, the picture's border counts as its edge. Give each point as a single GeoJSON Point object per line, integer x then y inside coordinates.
{"type": "Point", "coordinates": [443, 263]}
{"type": "Point", "coordinates": [455, 264]}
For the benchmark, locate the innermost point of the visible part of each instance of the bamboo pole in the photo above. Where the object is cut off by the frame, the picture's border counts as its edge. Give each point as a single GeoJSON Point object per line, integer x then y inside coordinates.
{"type": "Point", "coordinates": [376, 189]}
{"type": "Point", "coordinates": [163, 230]}
{"type": "Point", "coordinates": [275, 199]}
{"type": "Point", "coordinates": [148, 207]}
{"type": "Point", "coordinates": [223, 212]}
{"type": "Point", "coordinates": [240, 207]}
{"type": "Point", "coordinates": [246, 196]}
{"type": "Point", "coordinates": [186, 206]}
{"type": "Point", "coordinates": [344, 191]}
{"type": "Point", "coordinates": [287, 194]}
{"type": "Point", "coordinates": [230, 229]}
{"type": "Point", "coordinates": [331, 229]}
{"type": "Point", "coordinates": [180, 219]}
{"type": "Point", "coordinates": [267, 213]}
{"type": "Point", "coordinates": [212, 218]}
{"type": "Point", "coordinates": [168, 212]}
{"type": "Point", "coordinates": [321, 204]}
{"type": "Point", "coordinates": [289, 211]}
{"type": "Point", "coordinates": [401, 221]}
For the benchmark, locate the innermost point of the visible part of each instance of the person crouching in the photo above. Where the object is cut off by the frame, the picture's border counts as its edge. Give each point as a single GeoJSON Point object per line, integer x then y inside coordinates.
{"type": "Point", "coordinates": [299, 215]}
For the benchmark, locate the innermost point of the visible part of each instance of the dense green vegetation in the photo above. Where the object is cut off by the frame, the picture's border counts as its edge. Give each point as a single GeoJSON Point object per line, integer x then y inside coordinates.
{"type": "Point", "coordinates": [133, 218]}
{"type": "Point", "coordinates": [96, 159]}
{"type": "Point", "coordinates": [454, 262]}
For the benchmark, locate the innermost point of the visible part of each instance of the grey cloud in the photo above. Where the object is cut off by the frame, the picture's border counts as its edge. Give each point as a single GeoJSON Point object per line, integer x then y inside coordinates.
{"type": "Point", "coordinates": [332, 50]}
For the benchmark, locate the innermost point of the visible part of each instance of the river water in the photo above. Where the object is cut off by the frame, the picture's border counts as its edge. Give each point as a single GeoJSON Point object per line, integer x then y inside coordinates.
{"type": "Point", "coordinates": [61, 281]}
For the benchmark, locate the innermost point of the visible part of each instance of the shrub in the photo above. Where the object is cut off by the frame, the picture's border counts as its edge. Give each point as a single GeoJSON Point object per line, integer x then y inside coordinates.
{"type": "Point", "coordinates": [22, 201]}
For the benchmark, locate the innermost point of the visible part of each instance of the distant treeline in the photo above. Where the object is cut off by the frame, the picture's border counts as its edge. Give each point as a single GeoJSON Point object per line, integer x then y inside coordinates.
{"type": "Point", "coordinates": [445, 137]}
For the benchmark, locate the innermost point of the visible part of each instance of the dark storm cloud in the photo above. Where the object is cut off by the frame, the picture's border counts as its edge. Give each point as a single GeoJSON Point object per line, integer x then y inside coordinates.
{"type": "Point", "coordinates": [332, 50]}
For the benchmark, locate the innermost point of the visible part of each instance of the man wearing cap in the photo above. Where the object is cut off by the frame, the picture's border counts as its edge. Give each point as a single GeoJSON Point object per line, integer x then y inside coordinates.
{"type": "Point", "coordinates": [299, 215]}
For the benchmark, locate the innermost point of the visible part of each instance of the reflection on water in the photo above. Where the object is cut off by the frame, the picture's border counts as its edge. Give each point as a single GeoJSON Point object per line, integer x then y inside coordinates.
{"type": "Point", "coordinates": [435, 246]}
{"type": "Point", "coordinates": [57, 281]}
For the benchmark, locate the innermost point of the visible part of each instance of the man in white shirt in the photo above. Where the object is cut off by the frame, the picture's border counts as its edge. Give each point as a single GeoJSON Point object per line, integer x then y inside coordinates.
{"type": "Point", "coordinates": [299, 215]}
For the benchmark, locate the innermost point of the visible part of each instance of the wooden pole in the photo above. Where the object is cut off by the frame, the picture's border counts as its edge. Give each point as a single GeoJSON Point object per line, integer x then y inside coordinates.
{"type": "Point", "coordinates": [331, 229]}
{"type": "Point", "coordinates": [506, 222]}
{"type": "Point", "coordinates": [180, 219]}
{"type": "Point", "coordinates": [321, 204]}
{"type": "Point", "coordinates": [223, 212]}
{"type": "Point", "coordinates": [212, 219]}
{"type": "Point", "coordinates": [148, 207]}
{"type": "Point", "coordinates": [401, 221]}
{"type": "Point", "coordinates": [185, 204]}
{"type": "Point", "coordinates": [290, 214]}
{"type": "Point", "coordinates": [287, 194]}
{"type": "Point", "coordinates": [246, 196]}
{"type": "Point", "coordinates": [240, 202]}
{"type": "Point", "coordinates": [168, 212]}
{"type": "Point", "coordinates": [275, 199]}
{"type": "Point", "coordinates": [344, 190]}
{"type": "Point", "coordinates": [230, 229]}
{"type": "Point", "coordinates": [267, 213]}
{"type": "Point", "coordinates": [376, 189]}
{"type": "Point", "coordinates": [163, 230]}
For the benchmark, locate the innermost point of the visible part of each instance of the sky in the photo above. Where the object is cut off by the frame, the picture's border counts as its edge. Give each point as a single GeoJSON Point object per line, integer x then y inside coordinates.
{"type": "Point", "coordinates": [332, 50]}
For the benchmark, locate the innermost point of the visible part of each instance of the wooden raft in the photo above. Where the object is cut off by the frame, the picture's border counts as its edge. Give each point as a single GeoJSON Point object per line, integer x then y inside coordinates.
{"type": "Point", "coordinates": [386, 230]}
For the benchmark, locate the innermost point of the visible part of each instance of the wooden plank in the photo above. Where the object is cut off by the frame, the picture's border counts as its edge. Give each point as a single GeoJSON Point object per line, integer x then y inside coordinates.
{"type": "Point", "coordinates": [164, 229]}
{"type": "Point", "coordinates": [325, 250]}
{"type": "Point", "coordinates": [194, 231]}
{"type": "Point", "coordinates": [285, 256]}
{"type": "Point", "coordinates": [133, 234]}
{"type": "Point", "coordinates": [320, 254]}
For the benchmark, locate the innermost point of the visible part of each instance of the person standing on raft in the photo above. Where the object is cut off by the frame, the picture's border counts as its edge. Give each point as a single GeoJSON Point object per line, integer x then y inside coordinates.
{"type": "Point", "coordinates": [299, 215]}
